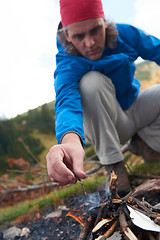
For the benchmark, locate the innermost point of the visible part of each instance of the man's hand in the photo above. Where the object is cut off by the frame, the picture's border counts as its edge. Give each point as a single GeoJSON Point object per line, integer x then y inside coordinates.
{"type": "Point", "coordinates": [65, 160]}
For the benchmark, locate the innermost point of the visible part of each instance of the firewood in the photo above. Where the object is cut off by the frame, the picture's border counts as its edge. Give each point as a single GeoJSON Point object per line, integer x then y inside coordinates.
{"type": "Point", "coordinates": [157, 220]}
{"type": "Point", "coordinates": [151, 215]}
{"type": "Point", "coordinates": [122, 219]}
{"type": "Point", "coordinates": [110, 231]}
{"type": "Point", "coordinates": [124, 225]}
{"type": "Point", "coordinates": [87, 228]}
{"type": "Point", "coordinates": [149, 185]}
{"type": "Point", "coordinates": [100, 213]}
{"type": "Point", "coordinates": [113, 185]}
{"type": "Point", "coordinates": [127, 231]}
{"type": "Point", "coordinates": [148, 211]}
{"type": "Point", "coordinates": [115, 213]}
{"type": "Point", "coordinates": [150, 236]}
{"type": "Point", "coordinates": [158, 236]}
{"type": "Point", "coordinates": [100, 224]}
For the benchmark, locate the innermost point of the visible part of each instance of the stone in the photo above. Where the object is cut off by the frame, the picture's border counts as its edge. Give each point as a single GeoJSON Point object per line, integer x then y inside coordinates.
{"type": "Point", "coordinates": [25, 231]}
{"type": "Point", "coordinates": [54, 214]}
{"type": "Point", "coordinates": [11, 233]}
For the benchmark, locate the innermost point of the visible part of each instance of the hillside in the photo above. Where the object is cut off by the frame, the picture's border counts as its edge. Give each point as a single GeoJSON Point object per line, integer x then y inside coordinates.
{"type": "Point", "coordinates": [33, 127]}
{"type": "Point", "coordinates": [148, 73]}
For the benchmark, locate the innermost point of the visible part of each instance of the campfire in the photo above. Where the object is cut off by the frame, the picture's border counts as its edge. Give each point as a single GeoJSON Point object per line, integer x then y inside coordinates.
{"type": "Point", "coordinates": [121, 218]}
{"type": "Point", "coordinates": [99, 215]}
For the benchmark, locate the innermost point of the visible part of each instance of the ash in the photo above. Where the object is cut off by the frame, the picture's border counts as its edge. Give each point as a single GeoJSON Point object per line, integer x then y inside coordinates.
{"type": "Point", "coordinates": [63, 227]}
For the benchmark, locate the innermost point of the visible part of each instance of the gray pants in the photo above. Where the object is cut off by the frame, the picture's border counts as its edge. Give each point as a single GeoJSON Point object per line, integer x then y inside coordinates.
{"type": "Point", "coordinates": [107, 126]}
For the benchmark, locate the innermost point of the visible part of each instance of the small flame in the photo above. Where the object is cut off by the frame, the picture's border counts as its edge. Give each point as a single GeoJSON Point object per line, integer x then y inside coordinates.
{"type": "Point", "coordinates": [78, 219]}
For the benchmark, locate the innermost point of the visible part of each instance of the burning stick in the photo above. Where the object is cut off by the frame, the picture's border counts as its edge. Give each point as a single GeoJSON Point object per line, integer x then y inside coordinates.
{"type": "Point", "coordinates": [109, 232]}
{"type": "Point", "coordinates": [113, 185]}
{"type": "Point", "coordinates": [87, 228]}
{"type": "Point", "coordinates": [100, 224]}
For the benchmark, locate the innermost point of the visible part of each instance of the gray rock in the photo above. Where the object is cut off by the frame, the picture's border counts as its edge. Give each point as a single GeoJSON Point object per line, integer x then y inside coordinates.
{"type": "Point", "coordinates": [11, 233]}
{"type": "Point", "coordinates": [54, 214]}
{"type": "Point", "coordinates": [25, 231]}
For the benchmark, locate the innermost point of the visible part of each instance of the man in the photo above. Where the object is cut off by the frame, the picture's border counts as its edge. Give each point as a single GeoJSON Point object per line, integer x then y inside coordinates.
{"type": "Point", "coordinates": [95, 72]}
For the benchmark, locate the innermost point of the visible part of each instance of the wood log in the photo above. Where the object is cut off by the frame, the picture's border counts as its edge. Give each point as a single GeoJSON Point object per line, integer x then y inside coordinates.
{"type": "Point", "coordinates": [124, 225]}
{"type": "Point", "coordinates": [110, 231]}
{"type": "Point", "coordinates": [88, 225]}
{"type": "Point", "coordinates": [153, 184]}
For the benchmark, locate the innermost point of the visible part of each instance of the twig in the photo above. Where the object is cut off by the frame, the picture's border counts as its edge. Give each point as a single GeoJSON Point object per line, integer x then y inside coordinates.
{"type": "Point", "coordinates": [146, 176]}
{"type": "Point", "coordinates": [26, 189]}
{"type": "Point", "coordinates": [146, 213]}
{"type": "Point", "coordinates": [100, 213]}
{"type": "Point", "coordinates": [87, 161]}
{"type": "Point", "coordinates": [94, 169]}
{"type": "Point", "coordinates": [99, 172]}
{"type": "Point", "coordinates": [124, 225]}
{"type": "Point", "coordinates": [113, 185]}
{"type": "Point", "coordinates": [30, 153]}
{"type": "Point", "coordinates": [143, 206]}
{"type": "Point", "coordinates": [127, 231]}
{"type": "Point", "coordinates": [26, 171]}
{"type": "Point", "coordinates": [110, 231]}
{"type": "Point", "coordinates": [91, 157]}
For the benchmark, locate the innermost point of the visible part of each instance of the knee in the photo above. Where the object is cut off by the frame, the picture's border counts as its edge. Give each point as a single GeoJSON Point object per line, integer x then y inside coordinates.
{"type": "Point", "coordinates": [94, 82]}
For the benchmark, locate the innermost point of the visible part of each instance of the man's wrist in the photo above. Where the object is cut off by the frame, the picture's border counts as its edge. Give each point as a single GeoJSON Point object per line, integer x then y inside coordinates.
{"type": "Point", "coordinates": [71, 137]}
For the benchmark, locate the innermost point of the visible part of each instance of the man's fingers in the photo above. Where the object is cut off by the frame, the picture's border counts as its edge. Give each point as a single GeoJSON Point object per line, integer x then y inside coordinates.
{"type": "Point", "coordinates": [64, 176]}
{"type": "Point", "coordinates": [78, 168]}
{"type": "Point", "coordinates": [57, 170]}
{"type": "Point", "coordinates": [61, 179]}
{"type": "Point", "coordinates": [62, 171]}
{"type": "Point", "coordinates": [65, 160]}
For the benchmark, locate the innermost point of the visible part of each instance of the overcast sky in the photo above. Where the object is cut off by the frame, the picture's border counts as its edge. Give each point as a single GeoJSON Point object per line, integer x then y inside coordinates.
{"type": "Point", "coordinates": [28, 46]}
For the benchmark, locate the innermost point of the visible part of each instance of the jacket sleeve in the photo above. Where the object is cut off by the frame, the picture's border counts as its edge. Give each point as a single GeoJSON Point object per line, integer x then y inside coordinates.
{"type": "Point", "coordinates": [68, 109]}
{"type": "Point", "coordinates": [146, 46]}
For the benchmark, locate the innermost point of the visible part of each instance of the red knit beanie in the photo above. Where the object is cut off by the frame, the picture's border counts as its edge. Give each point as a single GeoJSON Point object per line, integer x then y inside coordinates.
{"type": "Point", "coordinates": [77, 10]}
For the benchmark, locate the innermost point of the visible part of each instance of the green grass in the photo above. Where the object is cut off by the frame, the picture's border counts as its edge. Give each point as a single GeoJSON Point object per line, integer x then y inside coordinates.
{"type": "Point", "coordinates": [8, 214]}
{"type": "Point", "coordinates": [147, 168]}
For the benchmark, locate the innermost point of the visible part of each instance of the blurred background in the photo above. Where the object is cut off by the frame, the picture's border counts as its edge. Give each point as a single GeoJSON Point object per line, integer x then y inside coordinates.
{"type": "Point", "coordinates": [28, 46]}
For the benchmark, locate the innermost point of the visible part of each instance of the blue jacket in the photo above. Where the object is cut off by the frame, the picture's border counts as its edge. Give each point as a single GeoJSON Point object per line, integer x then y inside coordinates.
{"type": "Point", "coordinates": [117, 64]}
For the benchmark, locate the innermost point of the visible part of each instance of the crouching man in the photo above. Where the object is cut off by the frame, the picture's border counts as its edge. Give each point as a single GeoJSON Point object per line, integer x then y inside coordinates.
{"type": "Point", "coordinates": [97, 94]}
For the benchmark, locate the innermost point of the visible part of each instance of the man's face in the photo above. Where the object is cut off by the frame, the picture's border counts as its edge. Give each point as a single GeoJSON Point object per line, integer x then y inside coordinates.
{"type": "Point", "coordinates": [88, 37]}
